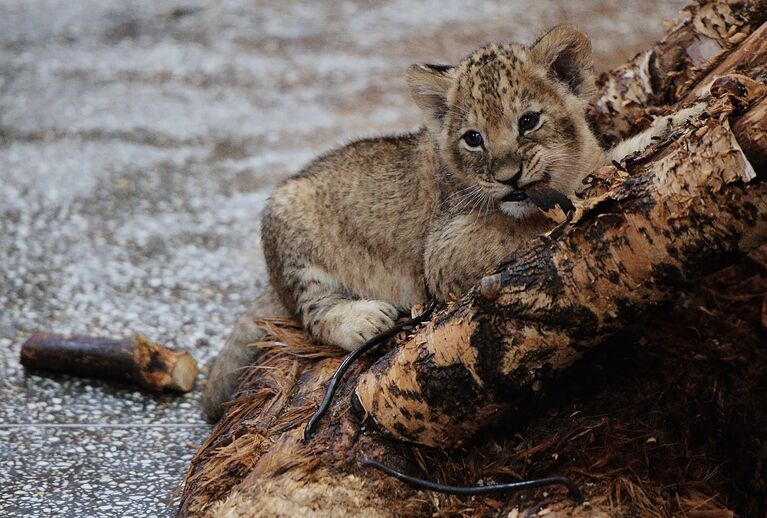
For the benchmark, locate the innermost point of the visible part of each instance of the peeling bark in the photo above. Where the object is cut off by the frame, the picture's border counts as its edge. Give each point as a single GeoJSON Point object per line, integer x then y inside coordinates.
{"type": "Point", "coordinates": [668, 71]}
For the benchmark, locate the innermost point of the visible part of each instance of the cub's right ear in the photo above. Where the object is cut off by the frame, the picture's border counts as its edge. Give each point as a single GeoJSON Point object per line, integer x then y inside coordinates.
{"type": "Point", "coordinates": [429, 85]}
{"type": "Point", "coordinates": [566, 52]}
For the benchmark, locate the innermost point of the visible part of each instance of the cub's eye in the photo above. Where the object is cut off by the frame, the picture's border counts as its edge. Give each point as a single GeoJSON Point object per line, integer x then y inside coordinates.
{"type": "Point", "coordinates": [529, 121]}
{"type": "Point", "coordinates": [473, 139]}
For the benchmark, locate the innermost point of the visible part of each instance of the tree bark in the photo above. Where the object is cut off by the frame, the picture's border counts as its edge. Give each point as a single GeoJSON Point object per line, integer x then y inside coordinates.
{"type": "Point", "coordinates": [669, 70]}
{"type": "Point", "coordinates": [660, 420]}
{"type": "Point", "coordinates": [137, 360]}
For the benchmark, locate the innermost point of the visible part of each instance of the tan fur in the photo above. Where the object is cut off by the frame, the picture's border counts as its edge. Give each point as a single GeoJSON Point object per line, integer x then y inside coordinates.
{"type": "Point", "coordinates": [370, 229]}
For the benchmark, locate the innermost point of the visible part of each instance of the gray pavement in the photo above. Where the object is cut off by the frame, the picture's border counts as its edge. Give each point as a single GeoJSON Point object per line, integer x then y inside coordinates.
{"type": "Point", "coordinates": [138, 142]}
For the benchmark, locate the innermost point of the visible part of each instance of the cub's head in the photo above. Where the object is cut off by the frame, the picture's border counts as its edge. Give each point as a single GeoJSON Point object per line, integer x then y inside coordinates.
{"type": "Point", "coordinates": [509, 116]}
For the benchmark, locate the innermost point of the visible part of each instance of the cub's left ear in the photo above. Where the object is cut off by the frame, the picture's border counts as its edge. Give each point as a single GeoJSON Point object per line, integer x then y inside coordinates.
{"type": "Point", "coordinates": [566, 52]}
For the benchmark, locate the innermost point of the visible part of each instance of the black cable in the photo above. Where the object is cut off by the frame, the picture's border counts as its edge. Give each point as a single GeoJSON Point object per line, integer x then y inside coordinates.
{"type": "Point", "coordinates": [575, 494]}
{"type": "Point", "coordinates": [354, 356]}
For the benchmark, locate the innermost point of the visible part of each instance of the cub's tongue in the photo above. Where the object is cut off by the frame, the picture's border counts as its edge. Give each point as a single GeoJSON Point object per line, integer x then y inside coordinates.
{"type": "Point", "coordinates": [515, 196]}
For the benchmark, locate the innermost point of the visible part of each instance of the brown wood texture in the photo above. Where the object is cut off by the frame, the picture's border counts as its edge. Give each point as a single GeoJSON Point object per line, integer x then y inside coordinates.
{"type": "Point", "coordinates": [669, 70]}
{"type": "Point", "coordinates": [135, 360]}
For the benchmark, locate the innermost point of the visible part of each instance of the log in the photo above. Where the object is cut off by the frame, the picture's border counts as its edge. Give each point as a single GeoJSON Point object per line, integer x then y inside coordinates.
{"type": "Point", "coordinates": [670, 69]}
{"type": "Point", "coordinates": [619, 350]}
{"type": "Point", "coordinates": [661, 422]}
{"type": "Point", "coordinates": [136, 360]}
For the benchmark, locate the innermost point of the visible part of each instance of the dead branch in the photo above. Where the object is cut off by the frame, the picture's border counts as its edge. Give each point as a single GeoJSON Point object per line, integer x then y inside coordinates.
{"type": "Point", "coordinates": [137, 360]}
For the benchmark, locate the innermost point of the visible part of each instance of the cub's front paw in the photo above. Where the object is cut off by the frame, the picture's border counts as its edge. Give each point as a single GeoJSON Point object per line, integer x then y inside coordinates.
{"type": "Point", "coordinates": [351, 324]}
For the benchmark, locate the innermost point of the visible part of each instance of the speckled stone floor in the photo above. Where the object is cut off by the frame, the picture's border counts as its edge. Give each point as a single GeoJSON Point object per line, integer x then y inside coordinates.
{"type": "Point", "coordinates": [138, 142]}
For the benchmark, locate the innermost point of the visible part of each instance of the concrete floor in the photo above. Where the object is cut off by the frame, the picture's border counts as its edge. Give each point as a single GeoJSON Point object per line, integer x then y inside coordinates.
{"type": "Point", "coordinates": [138, 142]}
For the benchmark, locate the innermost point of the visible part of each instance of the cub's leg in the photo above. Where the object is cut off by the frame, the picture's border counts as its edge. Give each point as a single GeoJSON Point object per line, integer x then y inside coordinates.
{"type": "Point", "coordinates": [461, 248]}
{"type": "Point", "coordinates": [660, 128]}
{"type": "Point", "coordinates": [330, 313]}
{"type": "Point", "coordinates": [237, 353]}
{"type": "Point", "coordinates": [322, 269]}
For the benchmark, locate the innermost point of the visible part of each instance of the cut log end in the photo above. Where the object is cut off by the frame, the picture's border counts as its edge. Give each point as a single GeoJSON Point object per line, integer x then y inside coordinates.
{"type": "Point", "coordinates": [161, 369]}
{"type": "Point", "coordinates": [184, 373]}
{"type": "Point", "coordinates": [137, 361]}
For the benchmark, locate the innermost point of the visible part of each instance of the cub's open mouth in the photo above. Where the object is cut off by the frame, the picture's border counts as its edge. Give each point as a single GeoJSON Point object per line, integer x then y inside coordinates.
{"type": "Point", "coordinates": [521, 195]}
{"type": "Point", "coordinates": [515, 196]}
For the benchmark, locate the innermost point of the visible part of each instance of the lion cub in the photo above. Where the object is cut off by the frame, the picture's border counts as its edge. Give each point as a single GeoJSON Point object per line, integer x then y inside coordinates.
{"type": "Point", "coordinates": [368, 230]}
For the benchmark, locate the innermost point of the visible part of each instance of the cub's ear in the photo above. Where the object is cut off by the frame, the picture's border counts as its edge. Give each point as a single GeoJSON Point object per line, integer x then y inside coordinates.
{"type": "Point", "coordinates": [428, 86]}
{"type": "Point", "coordinates": [566, 52]}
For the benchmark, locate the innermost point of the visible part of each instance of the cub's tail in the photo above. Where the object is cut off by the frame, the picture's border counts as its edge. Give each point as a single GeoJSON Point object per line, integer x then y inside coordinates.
{"type": "Point", "coordinates": [237, 353]}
